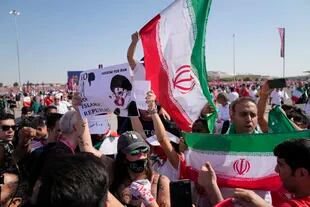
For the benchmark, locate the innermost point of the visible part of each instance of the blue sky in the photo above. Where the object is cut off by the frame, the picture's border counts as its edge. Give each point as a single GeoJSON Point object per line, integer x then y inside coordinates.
{"type": "Point", "coordinates": [60, 35]}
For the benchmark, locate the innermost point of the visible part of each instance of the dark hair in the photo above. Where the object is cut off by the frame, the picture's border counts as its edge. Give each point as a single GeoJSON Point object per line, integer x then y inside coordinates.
{"type": "Point", "coordinates": [66, 183]}
{"type": "Point", "coordinates": [121, 172]}
{"type": "Point", "coordinates": [295, 152]}
{"type": "Point", "coordinates": [203, 122]}
{"type": "Point", "coordinates": [120, 81]}
{"type": "Point", "coordinates": [5, 116]}
{"type": "Point", "coordinates": [222, 95]}
{"type": "Point", "coordinates": [38, 121]}
{"type": "Point", "coordinates": [239, 101]}
{"type": "Point", "coordinates": [26, 109]}
{"type": "Point", "coordinates": [51, 120]}
{"type": "Point", "coordinates": [176, 147]}
{"type": "Point", "coordinates": [50, 107]}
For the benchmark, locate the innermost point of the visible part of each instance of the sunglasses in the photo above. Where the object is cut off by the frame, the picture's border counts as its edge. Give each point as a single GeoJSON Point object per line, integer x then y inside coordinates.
{"type": "Point", "coordinates": [8, 127]}
{"type": "Point", "coordinates": [139, 151]}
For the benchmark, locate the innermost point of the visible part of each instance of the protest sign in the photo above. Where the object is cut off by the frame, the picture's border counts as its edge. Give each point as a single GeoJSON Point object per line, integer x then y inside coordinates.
{"type": "Point", "coordinates": [140, 89]}
{"type": "Point", "coordinates": [98, 124]}
{"type": "Point", "coordinates": [73, 80]}
{"type": "Point", "coordinates": [108, 90]}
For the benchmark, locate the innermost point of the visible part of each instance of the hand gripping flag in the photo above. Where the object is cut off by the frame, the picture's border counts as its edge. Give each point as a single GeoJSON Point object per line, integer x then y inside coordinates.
{"type": "Point", "coordinates": [239, 160]}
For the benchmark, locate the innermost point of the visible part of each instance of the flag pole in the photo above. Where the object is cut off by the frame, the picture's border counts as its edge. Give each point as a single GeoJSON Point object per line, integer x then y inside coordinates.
{"type": "Point", "coordinates": [234, 59]}
{"type": "Point", "coordinates": [283, 52]}
{"type": "Point", "coordinates": [284, 67]}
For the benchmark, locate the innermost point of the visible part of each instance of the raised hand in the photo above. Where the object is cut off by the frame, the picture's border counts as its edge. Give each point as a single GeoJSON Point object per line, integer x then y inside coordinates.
{"type": "Point", "coordinates": [141, 189]}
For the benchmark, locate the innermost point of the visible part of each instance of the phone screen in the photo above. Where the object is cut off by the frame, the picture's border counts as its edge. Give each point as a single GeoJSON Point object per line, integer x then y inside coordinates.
{"type": "Point", "coordinates": [180, 193]}
{"type": "Point", "coordinates": [277, 83]}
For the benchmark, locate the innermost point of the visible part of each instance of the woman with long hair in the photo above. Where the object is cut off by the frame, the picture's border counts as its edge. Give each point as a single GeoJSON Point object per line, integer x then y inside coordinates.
{"type": "Point", "coordinates": [133, 182]}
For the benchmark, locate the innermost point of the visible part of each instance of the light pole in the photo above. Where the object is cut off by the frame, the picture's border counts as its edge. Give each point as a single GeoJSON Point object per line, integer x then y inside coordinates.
{"type": "Point", "coordinates": [16, 13]}
{"type": "Point", "coordinates": [234, 59]}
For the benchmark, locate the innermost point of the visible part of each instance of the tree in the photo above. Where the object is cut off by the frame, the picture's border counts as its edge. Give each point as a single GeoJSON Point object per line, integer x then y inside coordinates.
{"type": "Point", "coordinates": [15, 84]}
{"type": "Point", "coordinates": [1, 85]}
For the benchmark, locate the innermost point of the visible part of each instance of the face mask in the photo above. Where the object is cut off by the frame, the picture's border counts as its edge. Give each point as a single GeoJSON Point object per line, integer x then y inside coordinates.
{"type": "Point", "coordinates": [138, 166]}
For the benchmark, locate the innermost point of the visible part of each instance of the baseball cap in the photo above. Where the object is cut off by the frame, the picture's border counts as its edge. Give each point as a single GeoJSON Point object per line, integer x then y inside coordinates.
{"type": "Point", "coordinates": [154, 142]}
{"type": "Point", "coordinates": [129, 141]}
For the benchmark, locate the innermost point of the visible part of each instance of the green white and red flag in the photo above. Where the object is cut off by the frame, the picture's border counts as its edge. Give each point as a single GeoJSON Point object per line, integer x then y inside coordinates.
{"type": "Point", "coordinates": [240, 161]}
{"type": "Point", "coordinates": [174, 57]}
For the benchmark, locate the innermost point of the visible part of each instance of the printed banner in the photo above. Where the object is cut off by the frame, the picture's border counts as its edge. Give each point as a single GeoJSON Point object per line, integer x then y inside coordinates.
{"type": "Point", "coordinates": [108, 90]}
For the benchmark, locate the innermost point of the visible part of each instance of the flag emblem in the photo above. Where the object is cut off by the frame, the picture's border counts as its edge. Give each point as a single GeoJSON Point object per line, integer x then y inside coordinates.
{"type": "Point", "coordinates": [183, 80]}
{"type": "Point", "coordinates": [241, 166]}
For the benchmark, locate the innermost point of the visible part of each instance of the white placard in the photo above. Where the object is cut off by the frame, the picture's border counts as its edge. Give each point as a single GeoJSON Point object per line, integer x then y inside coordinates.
{"type": "Point", "coordinates": [108, 90]}
{"type": "Point", "coordinates": [98, 124]}
{"type": "Point", "coordinates": [140, 90]}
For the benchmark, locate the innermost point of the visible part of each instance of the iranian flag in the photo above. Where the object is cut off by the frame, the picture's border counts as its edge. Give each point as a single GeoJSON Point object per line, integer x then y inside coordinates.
{"type": "Point", "coordinates": [174, 57]}
{"type": "Point", "coordinates": [243, 161]}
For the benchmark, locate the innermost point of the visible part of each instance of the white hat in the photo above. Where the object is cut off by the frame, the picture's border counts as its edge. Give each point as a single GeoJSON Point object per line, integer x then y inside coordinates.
{"type": "Point", "coordinates": [154, 142]}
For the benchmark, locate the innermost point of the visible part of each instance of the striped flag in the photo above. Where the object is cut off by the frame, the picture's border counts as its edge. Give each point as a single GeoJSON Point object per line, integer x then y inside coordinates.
{"type": "Point", "coordinates": [239, 160]}
{"type": "Point", "coordinates": [282, 38]}
{"type": "Point", "coordinates": [174, 56]}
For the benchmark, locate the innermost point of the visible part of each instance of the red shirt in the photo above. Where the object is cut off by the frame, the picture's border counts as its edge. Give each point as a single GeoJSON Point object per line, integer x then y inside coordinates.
{"type": "Point", "coordinates": [244, 92]}
{"type": "Point", "coordinates": [48, 101]}
{"type": "Point", "coordinates": [296, 202]}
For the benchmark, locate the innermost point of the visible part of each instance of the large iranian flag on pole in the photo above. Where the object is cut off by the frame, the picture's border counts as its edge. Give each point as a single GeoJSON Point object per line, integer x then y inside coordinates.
{"type": "Point", "coordinates": [243, 161]}
{"type": "Point", "coordinates": [174, 56]}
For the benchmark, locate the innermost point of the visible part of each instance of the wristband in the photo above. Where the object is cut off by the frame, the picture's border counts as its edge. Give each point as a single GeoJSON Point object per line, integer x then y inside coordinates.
{"type": "Point", "coordinates": [152, 111]}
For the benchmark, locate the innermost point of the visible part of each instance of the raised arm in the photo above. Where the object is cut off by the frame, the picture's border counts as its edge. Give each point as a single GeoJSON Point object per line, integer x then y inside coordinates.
{"type": "Point", "coordinates": [261, 107]}
{"type": "Point", "coordinates": [207, 179]}
{"type": "Point", "coordinates": [160, 131]}
{"type": "Point", "coordinates": [85, 143]}
{"type": "Point", "coordinates": [137, 126]}
{"type": "Point", "coordinates": [131, 50]}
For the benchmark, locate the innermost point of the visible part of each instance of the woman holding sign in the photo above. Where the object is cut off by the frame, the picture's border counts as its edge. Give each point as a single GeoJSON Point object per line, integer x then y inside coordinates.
{"type": "Point", "coordinates": [134, 183]}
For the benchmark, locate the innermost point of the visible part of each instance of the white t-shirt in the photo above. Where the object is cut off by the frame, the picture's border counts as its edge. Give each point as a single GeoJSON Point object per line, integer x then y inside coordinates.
{"type": "Point", "coordinates": [168, 170]}
{"type": "Point", "coordinates": [276, 97]}
{"type": "Point", "coordinates": [223, 112]}
{"type": "Point", "coordinates": [253, 94]}
{"type": "Point", "coordinates": [62, 108]}
{"type": "Point", "coordinates": [232, 96]}
{"type": "Point", "coordinates": [138, 72]}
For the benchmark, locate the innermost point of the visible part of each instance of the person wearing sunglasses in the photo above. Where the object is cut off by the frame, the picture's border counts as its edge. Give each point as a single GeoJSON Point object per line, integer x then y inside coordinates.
{"type": "Point", "coordinates": [133, 180]}
{"type": "Point", "coordinates": [7, 127]}
{"type": "Point", "coordinates": [7, 131]}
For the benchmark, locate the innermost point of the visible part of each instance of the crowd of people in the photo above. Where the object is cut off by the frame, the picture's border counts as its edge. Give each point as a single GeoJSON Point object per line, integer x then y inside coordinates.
{"type": "Point", "coordinates": [49, 158]}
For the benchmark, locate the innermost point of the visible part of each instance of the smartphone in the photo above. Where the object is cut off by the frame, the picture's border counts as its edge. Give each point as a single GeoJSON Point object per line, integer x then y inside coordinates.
{"type": "Point", "coordinates": [180, 193]}
{"type": "Point", "coordinates": [2, 179]}
{"type": "Point", "coordinates": [277, 83]}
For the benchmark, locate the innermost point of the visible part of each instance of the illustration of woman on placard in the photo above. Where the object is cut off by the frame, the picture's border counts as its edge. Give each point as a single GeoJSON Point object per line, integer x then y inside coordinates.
{"type": "Point", "coordinates": [122, 98]}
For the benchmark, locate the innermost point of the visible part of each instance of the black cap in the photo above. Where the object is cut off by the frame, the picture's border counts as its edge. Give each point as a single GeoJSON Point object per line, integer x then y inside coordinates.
{"type": "Point", "coordinates": [129, 141]}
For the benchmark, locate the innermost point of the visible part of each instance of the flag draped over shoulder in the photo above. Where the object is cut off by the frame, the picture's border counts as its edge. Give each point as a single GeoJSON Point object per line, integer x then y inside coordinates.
{"type": "Point", "coordinates": [239, 160]}
{"type": "Point", "coordinates": [174, 56]}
